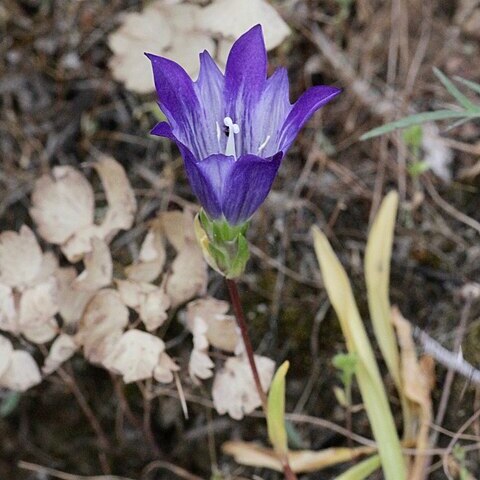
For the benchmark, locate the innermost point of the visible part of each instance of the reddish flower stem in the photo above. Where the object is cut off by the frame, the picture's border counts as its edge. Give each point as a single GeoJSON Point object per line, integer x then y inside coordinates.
{"type": "Point", "coordinates": [242, 324]}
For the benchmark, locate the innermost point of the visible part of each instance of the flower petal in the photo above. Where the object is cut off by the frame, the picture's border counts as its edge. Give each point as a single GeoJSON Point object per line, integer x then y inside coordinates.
{"type": "Point", "coordinates": [269, 116]}
{"type": "Point", "coordinates": [209, 87]}
{"type": "Point", "coordinates": [178, 101]}
{"type": "Point", "coordinates": [207, 179]}
{"type": "Point", "coordinates": [313, 99]}
{"type": "Point", "coordinates": [247, 186]}
{"type": "Point", "coordinates": [163, 129]}
{"type": "Point", "coordinates": [245, 79]}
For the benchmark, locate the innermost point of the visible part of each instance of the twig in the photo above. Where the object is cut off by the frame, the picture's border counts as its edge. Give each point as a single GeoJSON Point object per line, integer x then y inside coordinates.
{"type": "Point", "coordinates": [33, 467]}
{"type": "Point", "coordinates": [69, 380]}
{"type": "Point", "coordinates": [179, 471]}
{"type": "Point", "coordinates": [447, 358]}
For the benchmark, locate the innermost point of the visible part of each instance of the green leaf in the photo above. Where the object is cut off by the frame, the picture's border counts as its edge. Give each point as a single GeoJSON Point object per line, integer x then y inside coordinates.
{"type": "Point", "coordinates": [368, 376]}
{"type": "Point", "coordinates": [415, 169]}
{"type": "Point", "coordinates": [276, 411]}
{"type": "Point", "coordinates": [413, 136]}
{"type": "Point", "coordinates": [453, 90]}
{"type": "Point", "coordinates": [362, 470]}
{"type": "Point", "coordinates": [472, 85]}
{"type": "Point", "coordinates": [418, 119]}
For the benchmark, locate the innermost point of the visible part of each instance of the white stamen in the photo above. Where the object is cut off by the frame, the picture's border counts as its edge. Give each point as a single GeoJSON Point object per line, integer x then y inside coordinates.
{"type": "Point", "coordinates": [264, 144]}
{"type": "Point", "coordinates": [219, 133]}
{"type": "Point", "coordinates": [233, 129]}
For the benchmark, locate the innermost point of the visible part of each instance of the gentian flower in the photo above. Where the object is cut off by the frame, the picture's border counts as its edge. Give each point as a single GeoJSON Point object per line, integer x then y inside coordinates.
{"type": "Point", "coordinates": [232, 129]}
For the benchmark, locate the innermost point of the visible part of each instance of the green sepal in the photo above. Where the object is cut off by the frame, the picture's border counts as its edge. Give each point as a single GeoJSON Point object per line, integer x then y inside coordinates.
{"type": "Point", "coordinates": [224, 246]}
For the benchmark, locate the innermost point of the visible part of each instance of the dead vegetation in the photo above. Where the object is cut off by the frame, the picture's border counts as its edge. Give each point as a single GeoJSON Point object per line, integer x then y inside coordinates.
{"type": "Point", "coordinates": [64, 118]}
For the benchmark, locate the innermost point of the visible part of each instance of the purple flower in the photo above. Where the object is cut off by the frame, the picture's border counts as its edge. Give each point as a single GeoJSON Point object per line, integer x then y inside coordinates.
{"type": "Point", "coordinates": [232, 130]}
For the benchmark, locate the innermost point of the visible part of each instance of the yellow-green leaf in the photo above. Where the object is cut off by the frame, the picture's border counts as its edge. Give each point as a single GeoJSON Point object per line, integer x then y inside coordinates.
{"type": "Point", "coordinates": [367, 373]}
{"type": "Point", "coordinates": [362, 470]}
{"type": "Point", "coordinates": [377, 276]}
{"type": "Point", "coordinates": [276, 411]}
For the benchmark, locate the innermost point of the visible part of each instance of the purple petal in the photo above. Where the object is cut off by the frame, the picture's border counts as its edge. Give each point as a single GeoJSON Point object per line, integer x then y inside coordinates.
{"type": "Point", "coordinates": [178, 101]}
{"type": "Point", "coordinates": [209, 88]}
{"type": "Point", "coordinates": [247, 186]}
{"type": "Point", "coordinates": [163, 129]}
{"type": "Point", "coordinates": [245, 77]}
{"type": "Point", "coordinates": [313, 99]}
{"type": "Point", "coordinates": [207, 179]}
{"type": "Point", "coordinates": [269, 116]}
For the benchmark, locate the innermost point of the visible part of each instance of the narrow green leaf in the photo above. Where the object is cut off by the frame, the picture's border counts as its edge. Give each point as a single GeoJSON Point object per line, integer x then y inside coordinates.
{"type": "Point", "coordinates": [417, 119]}
{"type": "Point", "coordinates": [472, 85]}
{"type": "Point", "coordinates": [276, 411]}
{"type": "Point", "coordinates": [362, 470]}
{"type": "Point", "coordinates": [367, 373]}
{"type": "Point", "coordinates": [453, 90]}
{"type": "Point", "coordinates": [378, 254]}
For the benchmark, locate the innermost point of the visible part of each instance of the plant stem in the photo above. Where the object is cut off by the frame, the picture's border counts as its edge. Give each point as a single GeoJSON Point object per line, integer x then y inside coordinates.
{"type": "Point", "coordinates": [242, 324]}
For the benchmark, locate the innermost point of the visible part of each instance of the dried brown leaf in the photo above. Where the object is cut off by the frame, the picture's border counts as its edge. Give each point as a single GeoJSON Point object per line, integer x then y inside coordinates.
{"type": "Point", "coordinates": [151, 302]}
{"type": "Point", "coordinates": [6, 350]}
{"type": "Point", "coordinates": [22, 372]}
{"type": "Point", "coordinates": [62, 204]}
{"type": "Point", "coordinates": [102, 325]}
{"type": "Point", "coordinates": [98, 268]}
{"type": "Point", "coordinates": [221, 329]}
{"type": "Point", "coordinates": [61, 350]}
{"type": "Point", "coordinates": [234, 389]}
{"type": "Point", "coordinates": [301, 461]}
{"type": "Point", "coordinates": [135, 355]}
{"type": "Point", "coordinates": [8, 311]}
{"type": "Point", "coordinates": [38, 307]}
{"type": "Point", "coordinates": [20, 258]}
{"type": "Point", "coordinates": [120, 197]}
{"type": "Point", "coordinates": [165, 368]}
{"type": "Point", "coordinates": [232, 18]}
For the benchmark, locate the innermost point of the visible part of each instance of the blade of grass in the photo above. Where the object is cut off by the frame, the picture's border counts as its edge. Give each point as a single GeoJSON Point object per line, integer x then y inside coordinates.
{"type": "Point", "coordinates": [362, 470]}
{"type": "Point", "coordinates": [472, 85]}
{"type": "Point", "coordinates": [417, 119]}
{"type": "Point", "coordinates": [454, 91]}
{"type": "Point", "coordinates": [276, 411]}
{"type": "Point", "coordinates": [367, 373]}
{"type": "Point", "coordinates": [378, 254]}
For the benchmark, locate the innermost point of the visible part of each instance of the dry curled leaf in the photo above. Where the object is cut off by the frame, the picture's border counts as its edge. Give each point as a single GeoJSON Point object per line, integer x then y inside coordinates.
{"type": "Point", "coordinates": [162, 28]}
{"type": "Point", "coordinates": [98, 268]}
{"type": "Point", "coordinates": [63, 207]}
{"type": "Point", "coordinates": [301, 461]}
{"type": "Point", "coordinates": [151, 302]}
{"type": "Point", "coordinates": [135, 355]}
{"type": "Point", "coordinates": [61, 350]}
{"type": "Point", "coordinates": [20, 258]}
{"type": "Point", "coordinates": [38, 307]}
{"type": "Point", "coordinates": [231, 18]}
{"type": "Point", "coordinates": [120, 197]}
{"type": "Point", "coordinates": [188, 276]}
{"type": "Point", "coordinates": [207, 317]}
{"type": "Point", "coordinates": [151, 259]}
{"type": "Point", "coordinates": [71, 301]}
{"type": "Point", "coordinates": [6, 351]}
{"type": "Point", "coordinates": [165, 368]}
{"type": "Point", "coordinates": [200, 365]}
{"type": "Point", "coordinates": [22, 372]}
{"type": "Point", "coordinates": [234, 389]}
{"type": "Point", "coordinates": [8, 311]}
{"type": "Point", "coordinates": [102, 325]}
{"type": "Point", "coordinates": [62, 204]}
